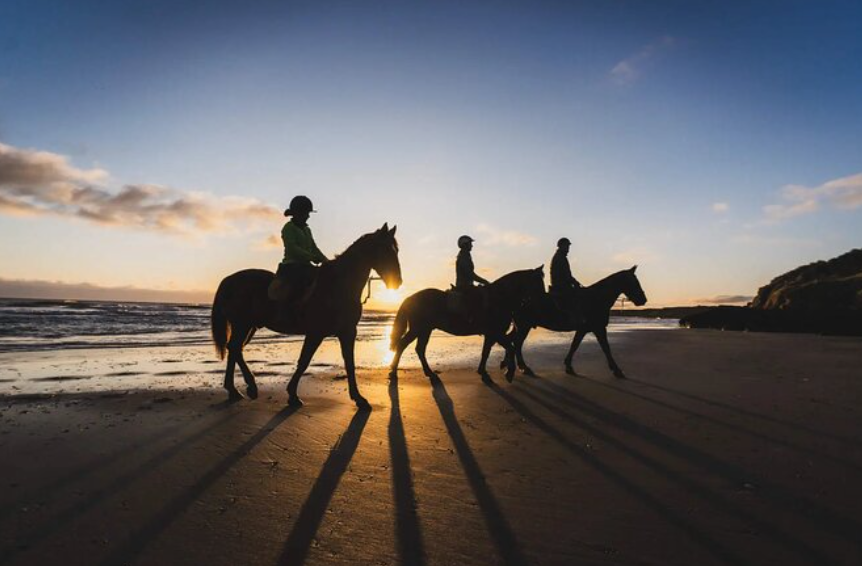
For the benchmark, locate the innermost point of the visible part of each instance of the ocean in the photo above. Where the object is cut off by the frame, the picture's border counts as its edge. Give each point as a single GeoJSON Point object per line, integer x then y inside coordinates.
{"type": "Point", "coordinates": [50, 346]}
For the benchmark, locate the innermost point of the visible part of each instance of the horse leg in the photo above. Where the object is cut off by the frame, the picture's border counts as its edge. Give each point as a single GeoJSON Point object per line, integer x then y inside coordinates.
{"type": "Point", "coordinates": [486, 351]}
{"type": "Point", "coordinates": [519, 351]}
{"type": "Point", "coordinates": [507, 342]}
{"type": "Point", "coordinates": [232, 393]}
{"type": "Point", "coordinates": [576, 341]}
{"type": "Point", "coordinates": [348, 341]}
{"type": "Point", "coordinates": [247, 375]}
{"type": "Point", "coordinates": [511, 336]}
{"type": "Point", "coordinates": [421, 344]}
{"type": "Point", "coordinates": [309, 347]}
{"type": "Point", "coordinates": [399, 350]}
{"type": "Point", "coordinates": [602, 337]}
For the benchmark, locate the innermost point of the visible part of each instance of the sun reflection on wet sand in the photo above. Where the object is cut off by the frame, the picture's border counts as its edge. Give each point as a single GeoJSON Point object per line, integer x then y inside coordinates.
{"type": "Point", "coordinates": [382, 345]}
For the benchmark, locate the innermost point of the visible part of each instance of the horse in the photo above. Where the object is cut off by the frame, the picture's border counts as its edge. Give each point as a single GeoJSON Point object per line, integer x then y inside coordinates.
{"type": "Point", "coordinates": [333, 308]}
{"type": "Point", "coordinates": [426, 310]}
{"type": "Point", "coordinates": [596, 302]}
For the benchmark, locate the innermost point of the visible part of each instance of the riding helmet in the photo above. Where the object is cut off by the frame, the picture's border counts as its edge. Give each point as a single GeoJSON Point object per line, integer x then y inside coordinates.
{"type": "Point", "coordinates": [299, 204]}
{"type": "Point", "coordinates": [563, 242]}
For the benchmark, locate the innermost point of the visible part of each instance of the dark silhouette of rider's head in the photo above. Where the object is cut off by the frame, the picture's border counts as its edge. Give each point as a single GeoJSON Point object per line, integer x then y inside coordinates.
{"type": "Point", "coordinates": [300, 209]}
{"type": "Point", "coordinates": [465, 243]}
{"type": "Point", "coordinates": [563, 245]}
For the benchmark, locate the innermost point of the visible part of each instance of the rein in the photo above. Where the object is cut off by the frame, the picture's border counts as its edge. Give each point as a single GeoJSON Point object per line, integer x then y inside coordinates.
{"type": "Point", "coordinates": [368, 289]}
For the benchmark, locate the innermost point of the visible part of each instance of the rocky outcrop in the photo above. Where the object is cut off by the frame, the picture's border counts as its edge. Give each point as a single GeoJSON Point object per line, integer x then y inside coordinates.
{"type": "Point", "coordinates": [823, 297]}
{"type": "Point", "coordinates": [834, 285]}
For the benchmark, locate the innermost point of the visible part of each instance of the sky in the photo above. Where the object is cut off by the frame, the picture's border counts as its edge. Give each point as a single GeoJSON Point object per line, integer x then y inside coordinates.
{"type": "Point", "coordinates": [150, 146]}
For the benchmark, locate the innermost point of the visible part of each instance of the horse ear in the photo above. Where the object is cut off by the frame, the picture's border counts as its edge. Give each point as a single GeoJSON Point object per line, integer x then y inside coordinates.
{"type": "Point", "coordinates": [633, 269]}
{"type": "Point", "coordinates": [541, 268]}
{"type": "Point", "coordinates": [392, 232]}
{"type": "Point", "coordinates": [385, 227]}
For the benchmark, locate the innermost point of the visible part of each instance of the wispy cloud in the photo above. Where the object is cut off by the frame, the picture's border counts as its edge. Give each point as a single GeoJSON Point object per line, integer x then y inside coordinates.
{"type": "Point", "coordinates": [844, 193]}
{"type": "Point", "coordinates": [720, 207]}
{"type": "Point", "coordinates": [42, 183]}
{"type": "Point", "coordinates": [494, 236]}
{"type": "Point", "coordinates": [632, 67]}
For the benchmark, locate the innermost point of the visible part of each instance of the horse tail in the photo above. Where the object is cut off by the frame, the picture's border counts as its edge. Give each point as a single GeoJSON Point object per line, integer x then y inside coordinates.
{"type": "Point", "coordinates": [219, 323]}
{"type": "Point", "coordinates": [399, 326]}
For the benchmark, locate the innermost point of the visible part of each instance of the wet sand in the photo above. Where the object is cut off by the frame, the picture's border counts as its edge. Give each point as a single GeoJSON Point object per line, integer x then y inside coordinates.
{"type": "Point", "coordinates": [720, 448]}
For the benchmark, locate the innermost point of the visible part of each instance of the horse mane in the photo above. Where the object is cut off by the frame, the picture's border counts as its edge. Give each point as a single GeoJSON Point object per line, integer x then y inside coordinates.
{"type": "Point", "coordinates": [358, 247]}
{"type": "Point", "coordinates": [607, 280]}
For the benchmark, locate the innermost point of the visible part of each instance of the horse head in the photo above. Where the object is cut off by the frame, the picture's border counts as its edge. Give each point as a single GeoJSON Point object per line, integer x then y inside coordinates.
{"type": "Point", "coordinates": [384, 256]}
{"type": "Point", "coordinates": [632, 287]}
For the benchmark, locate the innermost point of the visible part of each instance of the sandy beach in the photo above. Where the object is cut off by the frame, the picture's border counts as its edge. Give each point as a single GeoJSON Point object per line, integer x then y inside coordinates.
{"type": "Point", "coordinates": [720, 448]}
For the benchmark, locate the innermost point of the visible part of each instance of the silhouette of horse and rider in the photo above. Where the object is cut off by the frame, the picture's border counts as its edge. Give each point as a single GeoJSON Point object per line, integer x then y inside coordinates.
{"type": "Point", "coordinates": [316, 297]}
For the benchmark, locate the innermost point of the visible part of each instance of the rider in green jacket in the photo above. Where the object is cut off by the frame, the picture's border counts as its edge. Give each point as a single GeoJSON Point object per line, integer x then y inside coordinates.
{"type": "Point", "coordinates": [300, 250]}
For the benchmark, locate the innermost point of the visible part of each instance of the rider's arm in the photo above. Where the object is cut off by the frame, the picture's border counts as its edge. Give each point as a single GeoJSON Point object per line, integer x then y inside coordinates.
{"type": "Point", "coordinates": [318, 255]}
{"type": "Point", "coordinates": [479, 279]}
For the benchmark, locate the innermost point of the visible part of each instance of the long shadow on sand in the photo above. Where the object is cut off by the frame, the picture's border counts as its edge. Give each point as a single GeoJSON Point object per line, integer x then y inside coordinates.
{"type": "Point", "coordinates": [730, 426]}
{"type": "Point", "coordinates": [747, 413]}
{"type": "Point", "coordinates": [495, 520]}
{"type": "Point", "coordinates": [298, 542]}
{"type": "Point", "coordinates": [44, 491]}
{"type": "Point", "coordinates": [820, 516]}
{"type": "Point", "coordinates": [139, 539]}
{"type": "Point", "coordinates": [113, 486]}
{"type": "Point", "coordinates": [719, 551]}
{"type": "Point", "coordinates": [407, 528]}
{"type": "Point", "coordinates": [715, 501]}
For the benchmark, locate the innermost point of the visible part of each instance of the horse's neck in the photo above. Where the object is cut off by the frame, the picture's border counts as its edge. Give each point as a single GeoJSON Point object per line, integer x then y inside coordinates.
{"type": "Point", "coordinates": [507, 293]}
{"type": "Point", "coordinates": [607, 291]}
{"type": "Point", "coordinates": [352, 273]}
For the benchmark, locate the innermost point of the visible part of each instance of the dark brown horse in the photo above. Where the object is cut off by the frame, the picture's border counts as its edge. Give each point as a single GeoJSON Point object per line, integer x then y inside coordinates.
{"type": "Point", "coordinates": [334, 307]}
{"type": "Point", "coordinates": [426, 310]}
{"type": "Point", "coordinates": [596, 302]}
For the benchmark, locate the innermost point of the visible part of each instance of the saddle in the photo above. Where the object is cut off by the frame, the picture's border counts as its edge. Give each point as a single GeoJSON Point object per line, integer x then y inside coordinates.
{"type": "Point", "coordinates": [568, 303]}
{"type": "Point", "coordinates": [468, 304]}
{"type": "Point", "coordinates": [291, 288]}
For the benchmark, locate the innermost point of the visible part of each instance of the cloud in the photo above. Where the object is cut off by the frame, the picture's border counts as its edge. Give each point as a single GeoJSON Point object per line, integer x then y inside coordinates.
{"type": "Point", "coordinates": [844, 194]}
{"type": "Point", "coordinates": [42, 183]}
{"type": "Point", "coordinates": [270, 242]}
{"type": "Point", "coordinates": [37, 289]}
{"type": "Point", "coordinates": [720, 207]}
{"type": "Point", "coordinates": [492, 236]}
{"type": "Point", "coordinates": [631, 68]}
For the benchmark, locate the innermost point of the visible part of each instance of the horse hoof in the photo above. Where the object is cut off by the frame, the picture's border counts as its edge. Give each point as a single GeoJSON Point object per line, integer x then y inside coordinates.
{"type": "Point", "coordinates": [528, 371]}
{"type": "Point", "coordinates": [510, 376]}
{"type": "Point", "coordinates": [570, 370]}
{"type": "Point", "coordinates": [251, 391]}
{"type": "Point", "coordinates": [618, 373]}
{"type": "Point", "coordinates": [294, 401]}
{"type": "Point", "coordinates": [233, 395]}
{"type": "Point", "coordinates": [362, 404]}
{"type": "Point", "coordinates": [486, 377]}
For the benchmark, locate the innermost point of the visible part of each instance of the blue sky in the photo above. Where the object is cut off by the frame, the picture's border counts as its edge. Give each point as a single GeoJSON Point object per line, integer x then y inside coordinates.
{"type": "Point", "coordinates": [668, 134]}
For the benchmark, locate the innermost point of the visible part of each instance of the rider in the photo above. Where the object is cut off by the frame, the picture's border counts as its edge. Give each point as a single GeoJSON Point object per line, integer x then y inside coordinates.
{"type": "Point", "coordinates": [465, 276]}
{"type": "Point", "coordinates": [300, 251]}
{"type": "Point", "coordinates": [563, 284]}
